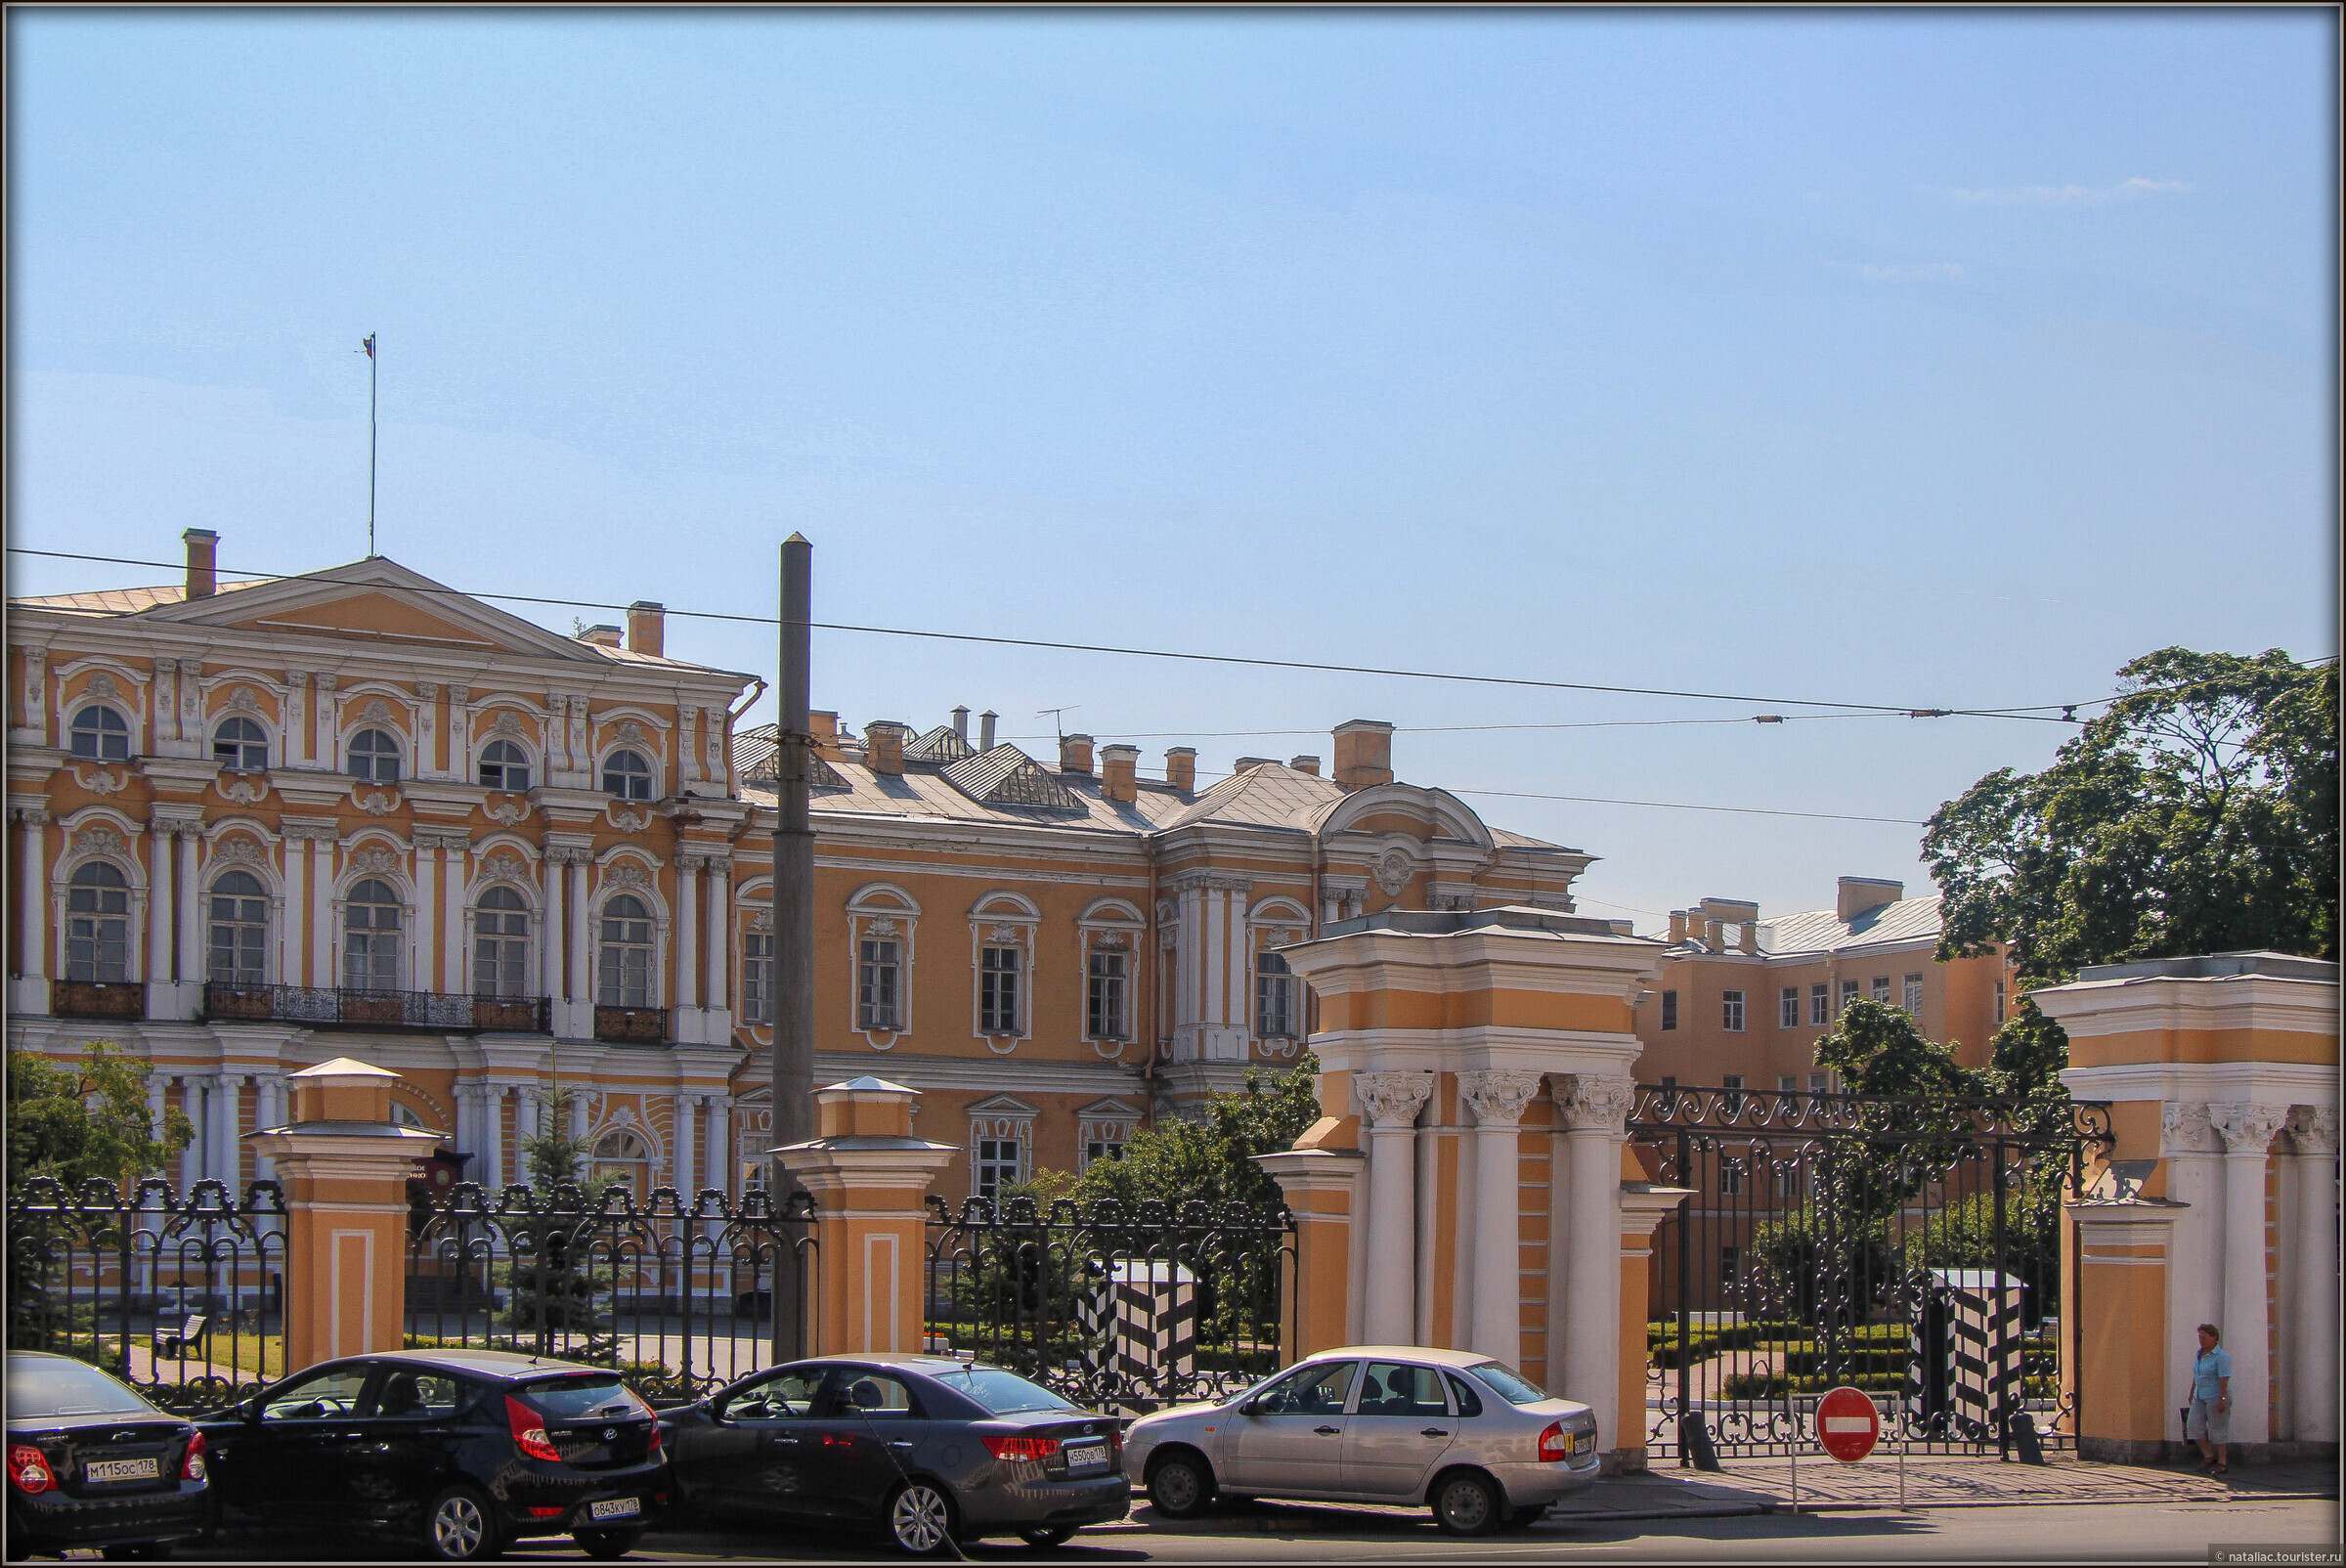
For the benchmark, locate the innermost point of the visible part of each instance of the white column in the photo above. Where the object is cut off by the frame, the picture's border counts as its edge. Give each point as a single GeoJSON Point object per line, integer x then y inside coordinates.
{"type": "Point", "coordinates": [1595, 1109]}
{"type": "Point", "coordinates": [551, 947]}
{"type": "Point", "coordinates": [579, 1110]}
{"type": "Point", "coordinates": [1390, 1102]}
{"type": "Point", "coordinates": [2247, 1130]}
{"type": "Point", "coordinates": [688, 931]}
{"type": "Point", "coordinates": [460, 734]}
{"type": "Point", "coordinates": [155, 1106]}
{"type": "Point", "coordinates": [1426, 1145]}
{"type": "Point", "coordinates": [493, 1137]}
{"type": "Point", "coordinates": [292, 924]}
{"type": "Point", "coordinates": [218, 1101]}
{"type": "Point", "coordinates": [2315, 1128]}
{"type": "Point", "coordinates": [159, 906]}
{"type": "Point", "coordinates": [191, 962]}
{"type": "Point", "coordinates": [325, 970]}
{"type": "Point", "coordinates": [1496, 1099]}
{"type": "Point", "coordinates": [720, 938]}
{"type": "Point", "coordinates": [452, 914]}
{"type": "Point", "coordinates": [717, 1161]}
{"type": "Point", "coordinates": [1217, 957]}
{"type": "Point", "coordinates": [688, 1108]}
{"type": "Point", "coordinates": [580, 992]}
{"type": "Point", "coordinates": [322, 746]}
{"type": "Point", "coordinates": [292, 742]}
{"type": "Point", "coordinates": [467, 1119]}
{"type": "Point", "coordinates": [422, 942]}
{"type": "Point", "coordinates": [33, 923]}
{"type": "Point", "coordinates": [1559, 1244]}
{"type": "Point", "coordinates": [267, 1111]}
{"type": "Point", "coordinates": [2194, 1158]}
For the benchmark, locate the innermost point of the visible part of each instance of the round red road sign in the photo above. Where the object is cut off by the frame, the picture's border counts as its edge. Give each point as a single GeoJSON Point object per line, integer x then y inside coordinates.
{"type": "Point", "coordinates": [1847, 1424]}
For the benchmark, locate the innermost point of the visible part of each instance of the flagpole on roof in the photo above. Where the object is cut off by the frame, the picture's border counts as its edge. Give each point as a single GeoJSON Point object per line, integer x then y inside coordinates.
{"type": "Point", "coordinates": [367, 348]}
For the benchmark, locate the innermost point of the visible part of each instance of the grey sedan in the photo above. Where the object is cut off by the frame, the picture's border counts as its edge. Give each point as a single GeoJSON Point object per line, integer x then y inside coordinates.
{"type": "Point", "coordinates": [1471, 1438]}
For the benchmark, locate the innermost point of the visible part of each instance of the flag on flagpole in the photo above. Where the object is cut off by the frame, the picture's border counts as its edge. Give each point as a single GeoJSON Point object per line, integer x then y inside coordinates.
{"type": "Point", "coordinates": [368, 347]}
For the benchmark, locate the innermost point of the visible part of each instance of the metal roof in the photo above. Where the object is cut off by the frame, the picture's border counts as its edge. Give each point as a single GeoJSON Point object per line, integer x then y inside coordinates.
{"type": "Point", "coordinates": [1821, 930]}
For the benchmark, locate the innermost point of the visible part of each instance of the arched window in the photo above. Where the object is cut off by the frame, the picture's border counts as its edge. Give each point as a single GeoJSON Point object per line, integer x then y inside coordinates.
{"type": "Point", "coordinates": [505, 767]}
{"type": "Point", "coordinates": [375, 756]}
{"type": "Point", "coordinates": [240, 929]}
{"type": "Point", "coordinates": [98, 923]}
{"type": "Point", "coordinates": [628, 775]}
{"type": "Point", "coordinates": [98, 732]}
{"type": "Point", "coordinates": [241, 746]}
{"type": "Point", "coordinates": [371, 937]}
{"type": "Point", "coordinates": [621, 1158]}
{"type": "Point", "coordinates": [501, 945]}
{"type": "Point", "coordinates": [627, 974]}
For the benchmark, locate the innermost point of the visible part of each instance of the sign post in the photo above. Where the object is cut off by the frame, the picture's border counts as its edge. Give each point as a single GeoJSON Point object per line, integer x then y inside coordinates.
{"type": "Point", "coordinates": [1848, 1425]}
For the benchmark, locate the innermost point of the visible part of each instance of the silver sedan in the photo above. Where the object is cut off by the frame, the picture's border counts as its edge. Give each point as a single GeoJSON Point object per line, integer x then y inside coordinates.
{"type": "Point", "coordinates": [1470, 1438]}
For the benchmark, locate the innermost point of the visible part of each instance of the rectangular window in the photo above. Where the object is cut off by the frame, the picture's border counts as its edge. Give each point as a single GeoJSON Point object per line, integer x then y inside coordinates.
{"type": "Point", "coordinates": [758, 976]}
{"type": "Point", "coordinates": [1730, 1265]}
{"type": "Point", "coordinates": [1104, 1014]}
{"type": "Point", "coordinates": [1274, 998]}
{"type": "Point", "coordinates": [1731, 1011]}
{"type": "Point", "coordinates": [1788, 1180]}
{"type": "Point", "coordinates": [1999, 1001]}
{"type": "Point", "coordinates": [879, 986]}
{"type": "Point", "coordinates": [1881, 989]}
{"type": "Point", "coordinates": [1669, 1010]}
{"type": "Point", "coordinates": [1788, 1083]}
{"type": "Point", "coordinates": [1820, 1082]}
{"type": "Point", "coordinates": [1849, 994]}
{"type": "Point", "coordinates": [996, 1166]}
{"type": "Point", "coordinates": [998, 990]}
{"type": "Point", "coordinates": [1730, 1178]}
{"type": "Point", "coordinates": [97, 949]}
{"type": "Point", "coordinates": [1913, 988]}
{"type": "Point", "coordinates": [1103, 1141]}
{"type": "Point", "coordinates": [1732, 1103]}
{"type": "Point", "coordinates": [1820, 1006]}
{"type": "Point", "coordinates": [1788, 1012]}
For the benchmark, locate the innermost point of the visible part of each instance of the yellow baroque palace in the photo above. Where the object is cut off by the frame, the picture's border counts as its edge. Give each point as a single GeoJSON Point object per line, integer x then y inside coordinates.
{"type": "Point", "coordinates": [256, 826]}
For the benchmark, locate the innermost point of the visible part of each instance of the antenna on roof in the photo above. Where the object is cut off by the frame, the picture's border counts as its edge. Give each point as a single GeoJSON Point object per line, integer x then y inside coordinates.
{"type": "Point", "coordinates": [367, 348]}
{"type": "Point", "coordinates": [1053, 713]}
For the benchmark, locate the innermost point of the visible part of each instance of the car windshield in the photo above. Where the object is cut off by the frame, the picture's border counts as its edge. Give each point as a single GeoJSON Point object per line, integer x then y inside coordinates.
{"type": "Point", "coordinates": [1003, 1393]}
{"type": "Point", "coordinates": [590, 1395]}
{"type": "Point", "coordinates": [40, 1386]}
{"type": "Point", "coordinates": [1508, 1384]}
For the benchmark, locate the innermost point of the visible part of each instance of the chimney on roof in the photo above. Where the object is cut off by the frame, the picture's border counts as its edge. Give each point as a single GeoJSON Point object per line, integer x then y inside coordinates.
{"type": "Point", "coordinates": [602, 634]}
{"type": "Point", "coordinates": [1075, 754]}
{"type": "Point", "coordinates": [985, 730]}
{"type": "Point", "coordinates": [647, 628]}
{"type": "Point", "coordinates": [203, 555]}
{"type": "Point", "coordinates": [1306, 763]}
{"type": "Point", "coordinates": [961, 724]}
{"type": "Point", "coordinates": [1678, 925]}
{"type": "Point", "coordinates": [1248, 764]}
{"type": "Point", "coordinates": [1859, 895]}
{"type": "Point", "coordinates": [884, 746]}
{"type": "Point", "coordinates": [1181, 767]}
{"type": "Point", "coordinates": [1119, 773]}
{"type": "Point", "coordinates": [823, 724]}
{"type": "Point", "coordinates": [1363, 752]}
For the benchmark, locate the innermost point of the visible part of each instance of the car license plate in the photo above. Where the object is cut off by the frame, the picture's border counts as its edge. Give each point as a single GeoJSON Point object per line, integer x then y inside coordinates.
{"type": "Point", "coordinates": [1581, 1443]}
{"type": "Point", "coordinates": [121, 1470]}
{"type": "Point", "coordinates": [616, 1508]}
{"type": "Point", "coordinates": [1086, 1457]}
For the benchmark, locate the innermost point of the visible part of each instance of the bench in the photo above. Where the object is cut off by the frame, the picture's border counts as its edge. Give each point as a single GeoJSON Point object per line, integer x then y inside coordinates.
{"type": "Point", "coordinates": [176, 1343]}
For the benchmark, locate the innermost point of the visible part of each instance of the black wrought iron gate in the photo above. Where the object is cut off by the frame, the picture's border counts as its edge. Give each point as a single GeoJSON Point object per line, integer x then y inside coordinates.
{"type": "Point", "coordinates": [1907, 1247]}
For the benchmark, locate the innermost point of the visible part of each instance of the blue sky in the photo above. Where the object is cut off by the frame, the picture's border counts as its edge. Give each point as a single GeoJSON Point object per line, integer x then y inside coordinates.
{"type": "Point", "coordinates": [1933, 360]}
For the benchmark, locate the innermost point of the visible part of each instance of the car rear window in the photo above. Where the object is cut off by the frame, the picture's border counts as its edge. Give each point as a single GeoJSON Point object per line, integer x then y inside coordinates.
{"type": "Point", "coordinates": [569, 1399]}
{"type": "Point", "coordinates": [1510, 1385]}
{"type": "Point", "coordinates": [1003, 1393]}
{"type": "Point", "coordinates": [39, 1386]}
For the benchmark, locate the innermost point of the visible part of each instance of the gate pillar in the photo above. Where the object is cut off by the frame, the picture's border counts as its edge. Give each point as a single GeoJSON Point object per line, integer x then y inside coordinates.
{"type": "Point", "coordinates": [869, 1176]}
{"type": "Point", "coordinates": [344, 1165]}
{"type": "Point", "coordinates": [1319, 1186]}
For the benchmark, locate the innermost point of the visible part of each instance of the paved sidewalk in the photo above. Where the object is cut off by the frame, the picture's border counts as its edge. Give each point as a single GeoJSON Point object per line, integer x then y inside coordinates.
{"type": "Point", "coordinates": [1941, 1481]}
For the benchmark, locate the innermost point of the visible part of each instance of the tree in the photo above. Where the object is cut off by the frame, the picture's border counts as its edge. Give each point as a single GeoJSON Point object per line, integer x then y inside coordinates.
{"type": "Point", "coordinates": [1880, 1049]}
{"type": "Point", "coordinates": [2198, 815]}
{"type": "Point", "coordinates": [1212, 1158]}
{"type": "Point", "coordinates": [551, 1277]}
{"type": "Point", "coordinates": [76, 1123]}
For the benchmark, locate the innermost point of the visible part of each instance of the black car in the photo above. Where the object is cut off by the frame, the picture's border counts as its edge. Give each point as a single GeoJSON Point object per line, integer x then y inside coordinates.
{"type": "Point", "coordinates": [461, 1451]}
{"type": "Point", "coordinates": [929, 1447]}
{"type": "Point", "coordinates": [92, 1463]}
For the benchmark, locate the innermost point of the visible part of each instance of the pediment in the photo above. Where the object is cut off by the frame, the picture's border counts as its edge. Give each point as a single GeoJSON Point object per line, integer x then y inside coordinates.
{"type": "Point", "coordinates": [378, 598]}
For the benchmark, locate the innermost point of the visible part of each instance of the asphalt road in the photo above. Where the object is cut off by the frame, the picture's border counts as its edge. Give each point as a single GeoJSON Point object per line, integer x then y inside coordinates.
{"type": "Point", "coordinates": [2121, 1532]}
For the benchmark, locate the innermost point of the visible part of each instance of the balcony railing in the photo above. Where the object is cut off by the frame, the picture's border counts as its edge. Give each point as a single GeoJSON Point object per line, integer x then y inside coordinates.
{"type": "Point", "coordinates": [330, 1006]}
{"type": "Point", "coordinates": [631, 1026]}
{"type": "Point", "coordinates": [97, 998]}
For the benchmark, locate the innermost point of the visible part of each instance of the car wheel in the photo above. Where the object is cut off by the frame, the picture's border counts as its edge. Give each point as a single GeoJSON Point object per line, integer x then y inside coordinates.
{"type": "Point", "coordinates": [1465, 1504]}
{"type": "Point", "coordinates": [609, 1541]}
{"type": "Point", "coordinates": [920, 1519]}
{"type": "Point", "coordinates": [1180, 1486]}
{"type": "Point", "coordinates": [1059, 1535]}
{"type": "Point", "coordinates": [460, 1526]}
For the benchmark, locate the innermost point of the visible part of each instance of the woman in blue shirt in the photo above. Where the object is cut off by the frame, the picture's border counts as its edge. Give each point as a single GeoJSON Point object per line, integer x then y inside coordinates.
{"type": "Point", "coordinates": [2209, 1422]}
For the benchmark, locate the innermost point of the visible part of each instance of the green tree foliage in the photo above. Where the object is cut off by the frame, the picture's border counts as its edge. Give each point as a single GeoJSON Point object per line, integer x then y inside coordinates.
{"type": "Point", "coordinates": [550, 1282]}
{"type": "Point", "coordinates": [1880, 1049]}
{"type": "Point", "coordinates": [2198, 815]}
{"type": "Point", "coordinates": [89, 1120]}
{"type": "Point", "coordinates": [1212, 1158]}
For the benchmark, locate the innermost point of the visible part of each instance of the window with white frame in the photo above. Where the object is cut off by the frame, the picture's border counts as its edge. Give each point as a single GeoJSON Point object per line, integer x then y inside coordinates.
{"type": "Point", "coordinates": [1788, 1010]}
{"type": "Point", "coordinates": [1001, 1145]}
{"type": "Point", "coordinates": [998, 988]}
{"type": "Point", "coordinates": [1108, 996]}
{"type": "Point", "coordinates": [98, 733]}
{"type": "Point", "coordinates": [504, 765]}
{"type": "Point", "coordinates": [239, 930]}
{"type": "Point", "coordinates": [1732, 1103]}
{"type": "Point", "coordinates": [1788, 1083]}
{"type": "Point", "coordinates": [626, 979]}
{"type": "Point", "coordinates": [997, 1165]}
{"type": "Point", "coordinates": [758, 975]}
{"type": "Point", "coordinates": [879, 983]}
{"type": "Point", "coordinates": [1101, 1131]}
{"type": "Point", "coordinates": [1849, 994]}
{"type": "Point", "coordinates": [375, 756]}
{"type": "Point", "coordinates": [1275, 1009]}
{"type": "Point", "coordinates": [1730, 1265]}
{"type": "Point", "coordinates": [1999, 1000]}
{"type": "Point", "coordinates": [1731, 1011]}
{"type": "Point", "coordinates": [1788, 1179]}
{"type": "Point", "coordinates": [241, 746]}
{"type": "Point", "coordinates": [628, 775]}
{"type": "Point", "coordinates": [1881, 989]}
{"type": "Point", "coordinates": [98, 923]}
{"type": "Point", "coordinates": [1730, 1178]}
{"type": "Point", "coordinates": [500, 943]}
{"type": "Point", "coordinates": [1913, 988]}
{"type": "Point", "coordinates": [624, 1159]}
{"type": "Point", "coordinates": [371, 937]}
{"type": "Point", "coordinates": [1820, 1005]}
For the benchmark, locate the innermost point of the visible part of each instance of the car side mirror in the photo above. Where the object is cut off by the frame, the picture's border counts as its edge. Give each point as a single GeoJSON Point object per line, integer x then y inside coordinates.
{"type": "Point", "coordinates": [1253, 1407]}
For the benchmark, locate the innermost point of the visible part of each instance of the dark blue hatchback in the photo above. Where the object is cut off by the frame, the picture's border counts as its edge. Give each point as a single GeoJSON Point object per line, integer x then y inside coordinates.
{"type": "Point", "coordinates": [92, 1463]}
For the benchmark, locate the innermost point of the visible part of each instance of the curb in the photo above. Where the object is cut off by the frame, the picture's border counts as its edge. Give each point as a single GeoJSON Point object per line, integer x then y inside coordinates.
{"type": "Point", "coordinates": [2042, 1501]}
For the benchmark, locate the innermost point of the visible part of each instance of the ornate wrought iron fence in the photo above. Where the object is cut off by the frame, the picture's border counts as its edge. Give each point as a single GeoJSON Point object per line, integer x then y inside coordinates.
{"type": "Point", "coordinates": [1115, 1308]}
{"type": "Point", "coordinates": [1908, 1246]}
{"type": "Point", "coordinates": [183, 1298]}
{"type": "Point", "coordinates": [678, 1295]}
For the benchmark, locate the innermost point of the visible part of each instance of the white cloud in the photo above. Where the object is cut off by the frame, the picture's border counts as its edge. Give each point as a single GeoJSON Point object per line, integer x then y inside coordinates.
{"type": "Point", "coordinates": [1920, 272]}
{"type": "Point", "coordinates": [2060, 196]}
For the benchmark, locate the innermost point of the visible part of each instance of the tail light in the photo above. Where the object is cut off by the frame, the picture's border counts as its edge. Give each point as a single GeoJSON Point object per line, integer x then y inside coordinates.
{"type": "Point", "coordinates": [543, 1513]}
{"type": "Point", "coordinates": [190, 1469]}
{"type": "Point", "coordinates": [1022, 1448]}
{"type": "Point", "coordinates": [28, 1468]}
{"type": "Point", "coordinates": [1554, 1444]}
{"type": "Point", "coordinates": [655, 1446]}
{"type": "Point", "coordinates": [529, 1432]}
{"type": "Point", "coordinates": [1115, 1445]}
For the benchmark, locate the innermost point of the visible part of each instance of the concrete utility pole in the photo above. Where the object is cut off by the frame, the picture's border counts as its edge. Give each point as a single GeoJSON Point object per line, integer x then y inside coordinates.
{"type": "Point", "coordinates": [793, 927]}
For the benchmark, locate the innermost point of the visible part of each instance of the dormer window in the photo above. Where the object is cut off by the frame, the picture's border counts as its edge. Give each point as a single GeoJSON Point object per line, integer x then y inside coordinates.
{"type": "Point", "coordinates": [100, 735]}
{"type": "Point", "coordinates": [628, 775]}
{"type": "Point", "coordinates": [506, 767]}
{"type": "Point", "coordinates": [241, 746]}
{"type": "Point", "coordinates": [375, 757]}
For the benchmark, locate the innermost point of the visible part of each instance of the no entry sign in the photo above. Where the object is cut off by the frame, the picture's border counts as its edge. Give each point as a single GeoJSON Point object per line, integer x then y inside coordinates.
{"type": "Point", "coordinates": [1847, 1424]}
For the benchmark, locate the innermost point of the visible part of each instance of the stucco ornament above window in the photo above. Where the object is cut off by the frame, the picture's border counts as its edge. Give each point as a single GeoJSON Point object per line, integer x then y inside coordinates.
{"type": "Point", "coordinates": [1392, 871]}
